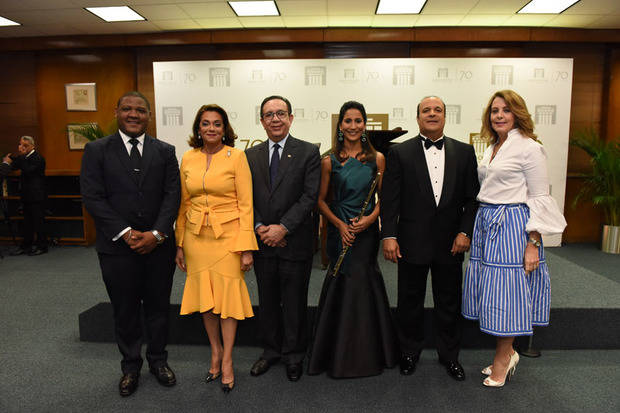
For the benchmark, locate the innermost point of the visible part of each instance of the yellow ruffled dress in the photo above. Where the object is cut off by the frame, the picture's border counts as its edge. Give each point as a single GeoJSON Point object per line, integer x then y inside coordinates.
{"type": "Point", "coordinates": [215, 224]}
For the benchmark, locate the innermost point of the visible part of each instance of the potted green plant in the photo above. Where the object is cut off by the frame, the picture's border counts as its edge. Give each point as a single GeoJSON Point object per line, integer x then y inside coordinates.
{"type": "Point", "coordinates": [602, 185]}
{"type": "Point", "coordinates": [93, 131]}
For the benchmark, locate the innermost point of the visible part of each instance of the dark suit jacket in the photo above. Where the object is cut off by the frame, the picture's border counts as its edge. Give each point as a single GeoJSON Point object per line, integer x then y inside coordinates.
{"type": "Point", "coordinates": [117, 200]}
{"type": "Point", "coordinates": [5, 169]}
{"type": "Point", "coordinates": [293, 197]}
{"type": "Point", "coordinates": [32, 179]}
{"type": "Point", "coordinates": [424, 230]}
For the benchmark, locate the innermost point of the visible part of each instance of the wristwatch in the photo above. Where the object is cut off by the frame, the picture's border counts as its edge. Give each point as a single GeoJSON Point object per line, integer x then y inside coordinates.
{"type": "Point", "coordinates": [534, 241]}
{"type": "Point", "coordinates": [159, 237]}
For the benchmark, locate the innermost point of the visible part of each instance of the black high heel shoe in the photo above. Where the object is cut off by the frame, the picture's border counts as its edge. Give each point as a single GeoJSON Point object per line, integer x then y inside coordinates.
{"type": "Point", "coordinates": [227, 387]}
{"type": "Point", "coordinates": [212, 376]}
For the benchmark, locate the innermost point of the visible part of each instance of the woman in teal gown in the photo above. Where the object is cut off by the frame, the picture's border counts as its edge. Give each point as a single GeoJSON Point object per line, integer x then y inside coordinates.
{"type": "Point", "coordinates": [354, 333]}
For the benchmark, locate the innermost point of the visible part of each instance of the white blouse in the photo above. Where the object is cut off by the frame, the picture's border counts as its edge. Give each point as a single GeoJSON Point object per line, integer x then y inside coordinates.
{"type": "Point", "coordinates": [518, 174]}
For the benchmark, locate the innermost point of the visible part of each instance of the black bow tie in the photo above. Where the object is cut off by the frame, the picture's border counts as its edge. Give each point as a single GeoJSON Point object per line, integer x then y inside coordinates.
{"type": "Point", "coordinates": [428, 143]}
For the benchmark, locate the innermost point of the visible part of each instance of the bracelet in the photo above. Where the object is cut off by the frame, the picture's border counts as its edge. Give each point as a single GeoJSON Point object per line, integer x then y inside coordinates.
{"type": "Point", "coordinates": [534, 241]}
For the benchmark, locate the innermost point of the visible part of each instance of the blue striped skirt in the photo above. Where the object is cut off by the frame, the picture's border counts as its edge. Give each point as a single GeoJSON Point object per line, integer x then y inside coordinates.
{"type": "Point", "coordinates": [497, 291]}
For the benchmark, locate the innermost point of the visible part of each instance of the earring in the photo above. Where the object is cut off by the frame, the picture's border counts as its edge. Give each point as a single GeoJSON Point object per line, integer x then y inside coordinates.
{"type": "Point", "coordinates": [223, 138]}
{"type": "Point", "coordinates": [199, 137]}
{"type": "Point", "coordinates": [340, 136]}
{"type": "Point", "coordinates": [364, 137]}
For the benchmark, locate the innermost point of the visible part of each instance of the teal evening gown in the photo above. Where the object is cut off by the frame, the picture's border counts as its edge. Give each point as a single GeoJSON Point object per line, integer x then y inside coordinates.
{"type": "Point", "coordinates": [354, 332]}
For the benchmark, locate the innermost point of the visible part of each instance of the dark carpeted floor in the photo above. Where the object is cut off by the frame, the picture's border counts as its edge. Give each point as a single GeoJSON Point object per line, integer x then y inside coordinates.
{"type": "Point", "coordinates": [45, 368]}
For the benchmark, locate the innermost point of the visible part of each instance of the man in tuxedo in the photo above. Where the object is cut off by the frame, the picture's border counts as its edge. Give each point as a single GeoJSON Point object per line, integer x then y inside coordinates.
{"type": "Point", "coordinates": [428, 207]}
{"type": "Point", "coordinates": [285, 177]}
{"type": "Point", "coordinates": [130, 185]}
{"type": "Point", "coordinates": [33, 197]}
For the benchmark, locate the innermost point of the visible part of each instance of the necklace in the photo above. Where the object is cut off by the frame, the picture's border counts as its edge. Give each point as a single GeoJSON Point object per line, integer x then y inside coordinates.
{"type": "Point", "coordinates": [219, 148]}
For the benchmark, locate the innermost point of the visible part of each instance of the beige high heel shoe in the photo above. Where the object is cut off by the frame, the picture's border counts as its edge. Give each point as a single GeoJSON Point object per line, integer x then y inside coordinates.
{"type": "Point", "coordinates": [512, 367]}
{"type": "Point", "coordinates": [488, 370]}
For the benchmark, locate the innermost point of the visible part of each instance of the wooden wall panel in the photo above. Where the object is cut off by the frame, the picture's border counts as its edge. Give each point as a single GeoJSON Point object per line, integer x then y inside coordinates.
{"type": "Point", "coordinates": [613, 105]}
{"type": "Point", "coordinates": [114, 73]}
{"type": "Point", "coordinates": [18, 105]}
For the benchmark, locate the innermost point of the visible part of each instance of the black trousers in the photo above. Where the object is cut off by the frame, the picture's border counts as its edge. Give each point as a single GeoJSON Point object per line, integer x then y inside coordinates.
{"type": "Point", "coordinates": [283, 306]}
{"type": "Point", "coordinates": [447, 286]}
{"type": "Point", "coordinates": [134, 283]}
{"type": "Point", "coordinates": [34, 224]}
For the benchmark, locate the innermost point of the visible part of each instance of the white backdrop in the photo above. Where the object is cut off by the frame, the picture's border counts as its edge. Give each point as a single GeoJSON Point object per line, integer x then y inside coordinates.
{"type": "Point", "coordinates": [318, 87]}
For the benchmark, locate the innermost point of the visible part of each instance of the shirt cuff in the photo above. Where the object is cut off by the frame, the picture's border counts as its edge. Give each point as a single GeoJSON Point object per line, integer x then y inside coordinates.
{"type": "Point", "coordinates": [120, 234]}
{"type": "Point", "coordinates": [258, 224]}
{"type": "Point", "coordinates": [388, 238]}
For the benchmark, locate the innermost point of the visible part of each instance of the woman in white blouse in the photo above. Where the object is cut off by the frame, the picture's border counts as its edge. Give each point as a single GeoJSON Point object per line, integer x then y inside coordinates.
{"type": "Point", "coordinates": [507, 286]}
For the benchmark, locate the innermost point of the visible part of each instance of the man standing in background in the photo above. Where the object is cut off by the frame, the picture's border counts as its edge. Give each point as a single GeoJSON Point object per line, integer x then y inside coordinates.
{"type": "Point", "coordinates": [33, 197]}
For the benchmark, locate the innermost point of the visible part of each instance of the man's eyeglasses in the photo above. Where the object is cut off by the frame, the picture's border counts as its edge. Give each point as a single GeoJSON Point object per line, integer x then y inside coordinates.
{"type": "Point", "coordinates": [279, 114]}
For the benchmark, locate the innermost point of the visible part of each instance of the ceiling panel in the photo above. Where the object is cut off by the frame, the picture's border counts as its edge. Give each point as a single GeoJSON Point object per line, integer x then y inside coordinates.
{"type": "Point", "coordinates": [303, 8]}
{"type": "Point", "coordinates": [254, 22]}
{"type": "Point", "coordinates": [571, 20]}
{"type": "Point", "coordinates": [207, 10]}
{"type": "Point", "coordinates": [351, 8]}
{"type": "Point", "coordinates": [408, 20]}
{"type": "Point", "coordinates": [448, 6]}
{"type": "Point", "coordinates": [182, 24]}
{"type": "Point", "coordinates": [161, 12]}
{"type": "Point", "coordinates": [498, 6]}
{"type": "Point", "coordinates": [594, 7]}
{"type": "Point", "coordinates": [606, 22]}
{"type": "Point", "coordinates": [439, 20]}
{"type": "Point", "coordinates": [349, 21]}
{"type": "Point", "coordinates": [484, 19]}
{"type": "Point", "coordinates": [528, 20]}
{"type": "Point", "coordinates": [221, 23]}
{"type": "Point", "coordinates": [305, 21]}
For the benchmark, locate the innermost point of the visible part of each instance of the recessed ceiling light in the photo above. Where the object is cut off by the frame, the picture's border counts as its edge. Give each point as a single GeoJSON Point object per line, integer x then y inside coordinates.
{"type": "Point", "coordinates": [546, 6]}
{"type": "Point", "coordinates": [400, 6]}
{"type": "Point", "coordinates": [254, 8]}
{"type": "Point", "coordinates": [115, 14]}
{"type": "Point", "coordinates": [6, 22]}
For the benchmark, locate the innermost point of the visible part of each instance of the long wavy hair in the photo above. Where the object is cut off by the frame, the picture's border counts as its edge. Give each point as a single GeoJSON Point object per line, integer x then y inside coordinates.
{"type": "Point", "coordinates": [516, 104]}
{"type": "Point", "coordinates": [368, 153]}
{"type": "Point", "coordinates": [229, 134]}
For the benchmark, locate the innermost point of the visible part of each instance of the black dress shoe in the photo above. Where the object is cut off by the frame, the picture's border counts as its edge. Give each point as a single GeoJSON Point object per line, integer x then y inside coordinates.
{"type": "Point", "coordinates": [164, 374]}
{"type": "Point", "coordinates": [407, 364]}
{"type": "Point", "coordinates": [128, 384]}
{"type": "Point", "coordinates": [454, 369]}
{"type": "Point", "coordinates": [261, 366]}
{"type": "Point", "coordinates": [294, 371]}
{"type": "Point", "coordinates": [19, 251]}
{"type": "Point", "coordinates": [37, 251]}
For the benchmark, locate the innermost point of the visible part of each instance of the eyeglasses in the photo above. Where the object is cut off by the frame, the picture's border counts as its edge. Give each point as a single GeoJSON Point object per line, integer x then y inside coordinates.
{"type": "Point", "coordinates": [279, 114]}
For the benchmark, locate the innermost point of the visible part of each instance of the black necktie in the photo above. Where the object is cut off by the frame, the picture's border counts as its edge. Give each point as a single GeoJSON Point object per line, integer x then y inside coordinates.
{"type": "Point", "coordinates": [275, 162]}
{"type": "Point", "coordinates": [134, 155]}
{"type": "Point", "coordinates": [428, 143]}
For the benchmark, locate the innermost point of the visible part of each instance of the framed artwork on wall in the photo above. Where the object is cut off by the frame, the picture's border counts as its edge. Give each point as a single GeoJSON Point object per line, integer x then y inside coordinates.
{"type": "Point", "coordinates": [81, 97]}
{"type": "Point", "coordinates": [76, 140]}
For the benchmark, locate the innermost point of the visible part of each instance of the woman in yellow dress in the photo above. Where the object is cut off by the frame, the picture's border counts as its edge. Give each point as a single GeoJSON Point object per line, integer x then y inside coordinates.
{"type": "Point", "coordinates": [215, 235]}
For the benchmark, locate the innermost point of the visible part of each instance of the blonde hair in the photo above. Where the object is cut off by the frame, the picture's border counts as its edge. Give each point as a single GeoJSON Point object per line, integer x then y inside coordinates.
{"type": "Point", "coordinates": [516, 104]}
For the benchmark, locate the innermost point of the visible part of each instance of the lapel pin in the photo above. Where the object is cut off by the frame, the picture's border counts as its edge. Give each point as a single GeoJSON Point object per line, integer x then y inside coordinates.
{"type": "Point", "coordinates": [228, 153]}
{"type": "Point", "coordinates": [289, 155]}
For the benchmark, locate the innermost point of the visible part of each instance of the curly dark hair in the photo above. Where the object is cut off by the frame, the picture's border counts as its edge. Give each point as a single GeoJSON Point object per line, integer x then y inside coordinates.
{"type": "Point", "coordinates": [229, 133]}
{"type": "Point", "coordinates": [368, 153]}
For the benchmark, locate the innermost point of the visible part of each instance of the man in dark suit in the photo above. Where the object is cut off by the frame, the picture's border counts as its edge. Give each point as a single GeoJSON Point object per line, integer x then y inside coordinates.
{"type": "Point", "coordinates": [130, 185]}
{"type": "Point", "coordinates": [428, 207]}
{"type": "Point", "coordinates": [285, 177]}
{"type": "Point", "coordinates": [33, 197]}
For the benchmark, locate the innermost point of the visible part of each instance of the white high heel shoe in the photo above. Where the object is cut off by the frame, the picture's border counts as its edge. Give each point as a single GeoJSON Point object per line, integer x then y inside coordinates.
{"type": "Point", "coordinates": [488, 370]}
{"type": "Point", "coordinates": [512, 367]}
